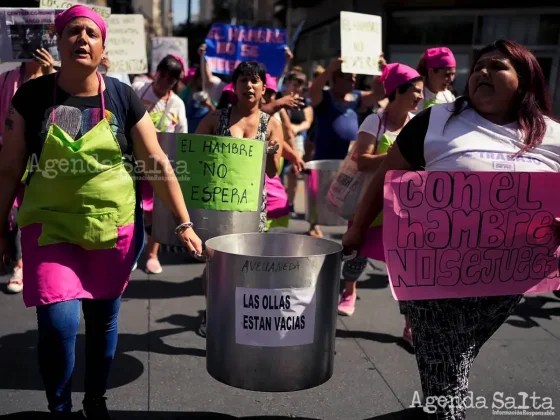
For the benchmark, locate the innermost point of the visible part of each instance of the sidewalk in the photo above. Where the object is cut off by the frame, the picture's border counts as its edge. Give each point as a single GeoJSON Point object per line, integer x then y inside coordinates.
{"type": "Point", "coordinates": [159, 371]}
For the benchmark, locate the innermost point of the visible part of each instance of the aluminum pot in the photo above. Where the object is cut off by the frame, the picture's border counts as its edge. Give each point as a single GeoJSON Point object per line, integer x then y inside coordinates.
{"type": "Point", "coordinates": [319, 175]}
{"type": "Point", "coordinates": [272, 310]}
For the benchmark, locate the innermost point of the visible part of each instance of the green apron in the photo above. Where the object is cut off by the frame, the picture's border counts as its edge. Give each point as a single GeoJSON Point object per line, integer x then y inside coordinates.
{"type": "Point", "coordinates": [81, 191]}
{"type": "Point", "coordinates": [159, 118]}
{"type": "Point", "coordinates": [429, 103]}
{"type": "Point", "coordinates": [383, 146]}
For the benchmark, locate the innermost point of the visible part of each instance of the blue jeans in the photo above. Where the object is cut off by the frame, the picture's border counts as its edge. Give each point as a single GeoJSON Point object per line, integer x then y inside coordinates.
{"type": "Point", "coordinates": [58, 325]}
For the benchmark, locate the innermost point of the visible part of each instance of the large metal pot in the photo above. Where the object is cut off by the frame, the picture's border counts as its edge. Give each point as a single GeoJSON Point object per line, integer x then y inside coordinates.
{"type": "Point", "coordinates": [207, 223]}
{"type": "Point", "coordinates": [319, 175]}
{"type": "Point", "coordinates": [271, 310]}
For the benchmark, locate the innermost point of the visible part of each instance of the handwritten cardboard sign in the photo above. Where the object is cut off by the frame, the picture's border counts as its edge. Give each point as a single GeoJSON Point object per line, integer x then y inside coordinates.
{"type": "Point", "coordinates": [224, 173]}
{"type": "Point", "coordinates": [229, 45]}
{"type": "Point", "coordinates": [360, 38]}
{"type": "Point", "coordinates": [105, 12]}
{"type": "Point", "coordinates": [126, 44]}
{"type": "Point", "coordinates": [163, 46]}
{"type": "Point", "coordinates": [470, 234]}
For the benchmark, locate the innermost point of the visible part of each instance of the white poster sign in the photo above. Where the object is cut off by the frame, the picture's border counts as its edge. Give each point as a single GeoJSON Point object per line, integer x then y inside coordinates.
{"type": "Point", "coordinates": [163, 46]}
{"type": "Point", "coordinates": [105, 12]}
{"type": "Point", "coordinates": [275, 317]}
{"type": "Point", "coordinates": [23, 31]}
{"type": "Point", "coordinates": [360, 38]}
{"type": "Point", "coordinates": [126, 44]}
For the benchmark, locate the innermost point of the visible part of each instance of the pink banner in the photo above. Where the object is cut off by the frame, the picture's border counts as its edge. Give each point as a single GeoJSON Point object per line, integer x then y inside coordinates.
{"type": "Point", "coordinates": [470, 234]}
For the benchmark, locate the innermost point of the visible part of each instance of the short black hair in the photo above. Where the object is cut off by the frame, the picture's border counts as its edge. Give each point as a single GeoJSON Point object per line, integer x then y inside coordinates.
{"type": "Point", "coordinates": [404, 87]}
{"type": "Point", "coordinates": [249, 69]}
{"type": "Point", "coordinates": [171, 66]}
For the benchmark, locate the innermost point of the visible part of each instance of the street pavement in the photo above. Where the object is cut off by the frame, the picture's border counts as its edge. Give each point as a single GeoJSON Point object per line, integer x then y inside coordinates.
{"type": "Point", "coordinates": [160, 367]}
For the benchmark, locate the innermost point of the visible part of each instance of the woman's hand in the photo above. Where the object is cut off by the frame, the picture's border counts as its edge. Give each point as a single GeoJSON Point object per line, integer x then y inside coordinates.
{"type": "Point", "coordinates": [45, 60]}
{"type": "Point", "coordinates": [298, 165]}
{"type": "Point", "coordinates": [191, 240]}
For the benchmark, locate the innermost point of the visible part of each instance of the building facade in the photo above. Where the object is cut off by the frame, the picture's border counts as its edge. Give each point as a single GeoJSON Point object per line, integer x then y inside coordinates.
{"type": "Point", "coordinates": [463, 26]}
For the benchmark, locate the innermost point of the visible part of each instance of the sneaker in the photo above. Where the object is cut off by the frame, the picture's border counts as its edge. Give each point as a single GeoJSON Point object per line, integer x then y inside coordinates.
{"type": "Point", "coordinates": [202, 328]}
{"type": "Point", "coordinates": [95, 409]}
{"type": "Point", "coordinates": [15, 285]}
{"type": "Point", "coordinates": [347, 304]}
{"type": "Point", "coordinates": [153, 266]}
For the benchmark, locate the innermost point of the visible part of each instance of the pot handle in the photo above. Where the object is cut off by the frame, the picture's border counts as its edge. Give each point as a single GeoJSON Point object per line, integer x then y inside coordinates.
{"type": "Point", "coordinates": [351, 256]}
{"type": "Point", "coordinates": [200, 257]}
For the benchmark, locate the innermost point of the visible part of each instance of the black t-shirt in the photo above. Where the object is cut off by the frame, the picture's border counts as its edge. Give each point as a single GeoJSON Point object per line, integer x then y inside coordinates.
{"type": "Point", "coordinates": [297, 116]}
{"type": "Point", "coordinates": [75, 115]}
{"type": "Point", "coordinates": [411, 140]}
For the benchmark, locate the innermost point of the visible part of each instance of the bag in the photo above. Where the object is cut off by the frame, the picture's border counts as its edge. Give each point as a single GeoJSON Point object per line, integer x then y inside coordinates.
{"type": "Point", "coordinates": [347, 187]}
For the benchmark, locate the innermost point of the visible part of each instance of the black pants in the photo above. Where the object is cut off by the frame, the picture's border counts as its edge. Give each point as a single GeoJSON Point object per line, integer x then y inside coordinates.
{"type": "Point", "coordinates": [448, 335]}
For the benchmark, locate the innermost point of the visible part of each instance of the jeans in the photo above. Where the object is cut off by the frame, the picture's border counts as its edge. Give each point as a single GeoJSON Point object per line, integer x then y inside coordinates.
{"type": "Point", "coordinates": [58, 325]}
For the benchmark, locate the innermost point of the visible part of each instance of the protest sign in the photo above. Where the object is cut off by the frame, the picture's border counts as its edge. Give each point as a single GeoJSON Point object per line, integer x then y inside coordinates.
{"type": "Point", "coordinates": [105, 12]}
{"type": "Point", "coordinates": [275, 317]}
{"type": "Point", "coordinates": [224, 173]}
{"type": "Point", "coordinates": [360, 38]}
{"type": "Point", "coordinates": [163, 46]}
{"type": "Point", "coordinates": [229, 45]}
{"type": "Point", "coordinates": [24, 30]}
{"type": "Point", "coordinates": [470, 234]}
{"type": "Point", "coordinates": [126, 44]}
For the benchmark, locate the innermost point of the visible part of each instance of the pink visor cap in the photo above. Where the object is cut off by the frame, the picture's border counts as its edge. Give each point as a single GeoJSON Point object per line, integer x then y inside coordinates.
{"type": "Point", "coordinates": [271, 83]}
{"type": "Point", "coordinates": [441, 57]}
{"type": "Point", "coordinates": [189, 75]}
{"type": "Point", "coordinates": [79, 11]}
{"type": "Point", "coordinates": [396, 74]}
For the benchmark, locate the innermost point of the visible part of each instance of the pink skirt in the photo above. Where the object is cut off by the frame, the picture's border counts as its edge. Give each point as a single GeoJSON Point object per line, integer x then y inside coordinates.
{"type": "Point", "coordinates": [61, 272]}
{"type": "Point", "coordinates": [373, 243]}
{"type": "Point", "coordinates": [147, 193]}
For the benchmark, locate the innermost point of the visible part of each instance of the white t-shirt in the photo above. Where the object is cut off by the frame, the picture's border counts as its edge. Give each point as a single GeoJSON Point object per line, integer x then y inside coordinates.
{"type": "Point", "coordinates": [431, 98]}
{"type": "Point", "coordinates": [371, 126]}
{"type": "Point", "coordinates": [173, 109]}
{"type": "Point", "coordinates": [469, 142]}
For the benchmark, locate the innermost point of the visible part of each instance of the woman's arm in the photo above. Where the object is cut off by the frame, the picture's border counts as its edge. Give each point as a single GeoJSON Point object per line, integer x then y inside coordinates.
{"type": "Point", "coordinates": [13, 161]}
{"type": "Point", "coordinates": [275, 136]}
{"type": "Point", "coordinates": [288, 129]}
{"type": "Point", "coordinates": [147, 149]}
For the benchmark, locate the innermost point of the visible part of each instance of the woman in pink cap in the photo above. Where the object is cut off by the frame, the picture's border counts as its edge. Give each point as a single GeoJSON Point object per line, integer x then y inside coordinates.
{"type": "Point", "coordinates": [437, 66]}
{"type": "Point", "coordinates": [81, 219]}
{"type": "Point", "coordinates": [504, 118]}
{"type": "Point", "coordinates": [403, 88]}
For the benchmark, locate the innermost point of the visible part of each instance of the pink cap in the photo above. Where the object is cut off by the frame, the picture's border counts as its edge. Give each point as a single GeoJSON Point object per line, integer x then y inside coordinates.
{"type": "Point", "coordinates": [180, 60]}
{"type": "Point", "coordinates": [189, 75]}
{"type": "Point", "coordinates": [78, 11]}
{"type": "Point", "coordinates": [271, 83]}
{"type": "Point", "coordinates": [396, 74]}
{"type": "Point", "coordinates": [441, 57]}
